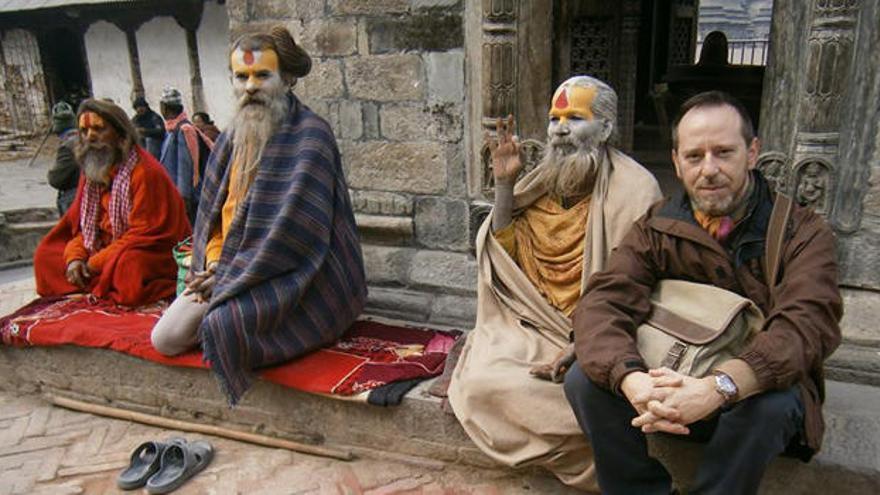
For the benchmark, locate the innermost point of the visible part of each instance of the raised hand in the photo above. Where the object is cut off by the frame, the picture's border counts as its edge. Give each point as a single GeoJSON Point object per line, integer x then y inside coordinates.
{"type": "Point", "coordinates": [506, 162]}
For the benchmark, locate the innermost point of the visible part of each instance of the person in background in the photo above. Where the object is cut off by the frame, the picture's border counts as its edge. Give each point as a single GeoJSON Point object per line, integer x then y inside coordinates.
{"type": "Point", "coordinates": [149, 125]}
{"type": "Point", "coordinates": [183, 155]}
{"type": "Point", "coordinates": [64, 175]}
{"type": "Point", "coordinates": [204, 123]}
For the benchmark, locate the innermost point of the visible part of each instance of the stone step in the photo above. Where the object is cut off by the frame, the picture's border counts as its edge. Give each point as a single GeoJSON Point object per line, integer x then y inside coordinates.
{"type": "Point", "coordinates": [855, 363]}
{"type": "Point", "coordinates": [25, 215]}
{"type": "Point", "coordinates": [19, 240]}
{"type": "Point", "coordinates": [23, 228]}
{"type": "Point", "coordinates": [21, 231]}
{"type": "Point", "coordinates": [850, 460]}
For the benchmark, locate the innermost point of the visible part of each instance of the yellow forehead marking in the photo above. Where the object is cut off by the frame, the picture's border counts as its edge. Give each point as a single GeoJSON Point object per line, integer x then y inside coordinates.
{"type": "Point", "coordinates": [91, 120]}
{"type": "Point", "coordinates": [572, 100]}
{"type": "Point", "coordinates": [252, 61]}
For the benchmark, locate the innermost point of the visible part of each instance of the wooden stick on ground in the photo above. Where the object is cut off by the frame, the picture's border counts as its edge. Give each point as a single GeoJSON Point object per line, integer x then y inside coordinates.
{"type": "Point", "coordinates": [175, 424]}
{"type": "Point", "coordinates": [40, 148]}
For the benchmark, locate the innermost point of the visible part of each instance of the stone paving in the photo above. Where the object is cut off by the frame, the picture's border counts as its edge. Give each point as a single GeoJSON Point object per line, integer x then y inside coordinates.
{"type": "Point", "coordinates": [17, 290]}
{"type": "Point", "coordinates": [51, 450]}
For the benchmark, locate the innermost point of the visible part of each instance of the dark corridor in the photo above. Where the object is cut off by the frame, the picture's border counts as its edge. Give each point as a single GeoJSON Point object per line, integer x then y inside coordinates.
{"type": "Point", "coordinates": [64, 63]}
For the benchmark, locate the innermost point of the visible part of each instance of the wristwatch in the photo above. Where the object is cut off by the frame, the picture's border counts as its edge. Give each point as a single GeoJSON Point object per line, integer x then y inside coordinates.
{"type": "Point", "coordinates": [725, 386]}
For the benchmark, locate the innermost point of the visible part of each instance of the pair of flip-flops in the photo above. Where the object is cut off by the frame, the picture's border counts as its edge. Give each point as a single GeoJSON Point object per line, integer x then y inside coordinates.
{"type": "Point", "coordinates": [162, 467]}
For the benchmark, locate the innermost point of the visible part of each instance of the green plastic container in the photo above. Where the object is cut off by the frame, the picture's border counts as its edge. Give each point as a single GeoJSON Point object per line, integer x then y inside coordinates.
{"type": "Point", "coordinates": [183, 256]}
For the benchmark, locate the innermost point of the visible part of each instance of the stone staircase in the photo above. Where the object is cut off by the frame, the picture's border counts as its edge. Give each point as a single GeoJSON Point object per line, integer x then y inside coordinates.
{"type": "Point", "coordinates": [21, 231]}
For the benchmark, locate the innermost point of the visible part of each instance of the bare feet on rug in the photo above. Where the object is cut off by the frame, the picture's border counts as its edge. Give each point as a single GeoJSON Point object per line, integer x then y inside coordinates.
{"type": "Point", "coordinates": [555, 370]}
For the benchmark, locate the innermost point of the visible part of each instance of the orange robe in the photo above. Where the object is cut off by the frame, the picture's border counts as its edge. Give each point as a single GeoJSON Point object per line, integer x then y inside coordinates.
{"type": "Point", "coordinates": [138, 267]}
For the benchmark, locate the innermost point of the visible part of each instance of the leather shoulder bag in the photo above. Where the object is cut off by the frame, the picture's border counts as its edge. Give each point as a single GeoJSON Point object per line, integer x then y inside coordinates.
{"type": "Point", "coordinates": [692, 327]}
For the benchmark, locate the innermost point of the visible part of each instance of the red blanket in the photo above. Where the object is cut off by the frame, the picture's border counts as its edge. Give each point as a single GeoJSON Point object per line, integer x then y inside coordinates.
{"type": "Point", "coordinates": [368, 356]}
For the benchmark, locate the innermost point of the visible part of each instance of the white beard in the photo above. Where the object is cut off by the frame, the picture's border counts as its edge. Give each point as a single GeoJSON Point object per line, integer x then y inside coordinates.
{"type": "Point", "coordinates": [96, 160]}
{"type": "Point", "coordinates": [568, 172]}
{"type": "Point", "coordinates": [257, 119]}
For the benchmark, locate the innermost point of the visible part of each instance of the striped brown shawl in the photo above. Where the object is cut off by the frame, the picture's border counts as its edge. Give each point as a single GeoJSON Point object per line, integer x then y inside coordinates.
{"type": "Point", "coordinates": [290, 277]}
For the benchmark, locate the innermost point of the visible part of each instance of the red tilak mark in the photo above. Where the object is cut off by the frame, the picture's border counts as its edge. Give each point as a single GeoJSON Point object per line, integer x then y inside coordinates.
{"type": "Point", "coordinates": [248, 58]}
{"type": "Point", "coordinates": [562, 101]}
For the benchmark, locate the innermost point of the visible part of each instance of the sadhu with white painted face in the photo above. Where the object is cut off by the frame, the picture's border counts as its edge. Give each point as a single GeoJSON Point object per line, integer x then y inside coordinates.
{"type": "Point", "coordinates": [276, 266]}
{"type": "Point", "coordinates": [546, 235]}
{"type": "Point", "coordinates": [115, 241]}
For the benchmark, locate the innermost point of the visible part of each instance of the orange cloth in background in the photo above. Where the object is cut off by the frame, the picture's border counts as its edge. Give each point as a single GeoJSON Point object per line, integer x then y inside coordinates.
{"type": "Point", "coordinates": [547, 243]}
{"type": "Point", "coordinates": [227, 214]}
{"type": "Point", "coordinates": [136, 268]}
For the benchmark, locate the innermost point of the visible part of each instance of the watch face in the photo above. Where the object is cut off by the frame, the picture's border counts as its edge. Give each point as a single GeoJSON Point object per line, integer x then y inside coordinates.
{"type": "Point", "coordinates": [725, 385]}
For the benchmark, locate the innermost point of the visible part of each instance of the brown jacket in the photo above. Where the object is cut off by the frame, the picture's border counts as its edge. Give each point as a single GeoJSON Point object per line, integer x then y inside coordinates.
{"type": "Point", "coordinates": [801, 328]}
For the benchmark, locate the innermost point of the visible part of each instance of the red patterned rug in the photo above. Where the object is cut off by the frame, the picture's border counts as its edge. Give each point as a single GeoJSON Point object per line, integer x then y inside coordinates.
{"type": "Point", "coordinates": [369, 356]}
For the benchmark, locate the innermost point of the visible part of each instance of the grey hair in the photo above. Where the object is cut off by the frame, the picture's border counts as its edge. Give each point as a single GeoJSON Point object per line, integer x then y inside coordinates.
{"type": "Point", "coordinates": [604, 104]}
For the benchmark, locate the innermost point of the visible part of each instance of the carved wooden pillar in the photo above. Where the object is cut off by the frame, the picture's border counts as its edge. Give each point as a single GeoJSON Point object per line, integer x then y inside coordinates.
{"type": "Point", "coordinates": [189, 16]}
{"type": "Point", "coordinates": [499, 75]}
{"type": "Point", "coordinates": [820, 134]}
{"type": "Point", "coordinates": [829, 56]}
{"type": "Point", "coordinates": [195, 71]}
{"type": "Point", "coordinates": [626, 80]}
{"type": "Point", "coordinates": [134, 59]}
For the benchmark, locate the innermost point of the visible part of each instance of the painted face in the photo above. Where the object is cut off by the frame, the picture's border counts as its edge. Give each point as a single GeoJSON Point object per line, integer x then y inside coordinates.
{"type": "Point", "coordinates": [94, 129]}
{"type": "Point", "coordinates": [572, 123]}
{"type": "Point", "coordinates": [713, 160]}
{"type": "Point", "coordinates": [255, 72]}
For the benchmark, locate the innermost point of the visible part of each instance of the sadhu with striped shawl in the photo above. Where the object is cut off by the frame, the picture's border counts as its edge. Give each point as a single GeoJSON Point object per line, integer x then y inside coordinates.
{"type": "Point", "coordinates": [115, 241]}
{"type": "Point", "coordinates": [276, 266]}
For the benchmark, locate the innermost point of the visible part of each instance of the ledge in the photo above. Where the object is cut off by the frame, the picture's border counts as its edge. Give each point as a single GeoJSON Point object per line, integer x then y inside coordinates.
{"type": "Point", "coordinates": [418, 427]}
{"type": "Point", "coordinates": [385, 229]}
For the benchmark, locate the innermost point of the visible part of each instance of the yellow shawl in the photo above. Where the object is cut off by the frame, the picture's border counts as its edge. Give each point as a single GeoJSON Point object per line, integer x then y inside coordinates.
{"type": "Point", "coordinates": [547, 243]}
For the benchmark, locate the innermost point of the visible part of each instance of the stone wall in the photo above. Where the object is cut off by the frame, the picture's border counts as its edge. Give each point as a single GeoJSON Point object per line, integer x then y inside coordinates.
{"type": "Point", "coordinates": [389, 77]}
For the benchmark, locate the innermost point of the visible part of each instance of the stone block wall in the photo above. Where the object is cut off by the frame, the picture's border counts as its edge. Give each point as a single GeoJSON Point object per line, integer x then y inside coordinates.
{"type": "Point", "coordinates": [389, 76]}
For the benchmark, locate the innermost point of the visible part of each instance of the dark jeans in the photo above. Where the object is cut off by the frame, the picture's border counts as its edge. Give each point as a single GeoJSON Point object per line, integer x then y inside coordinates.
{"type": "Point", "coordinates": [740, 442]}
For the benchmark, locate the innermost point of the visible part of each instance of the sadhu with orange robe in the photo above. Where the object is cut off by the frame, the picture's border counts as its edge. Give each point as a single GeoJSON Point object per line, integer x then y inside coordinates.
{"type": "Point", "coordinates": [116, 239]}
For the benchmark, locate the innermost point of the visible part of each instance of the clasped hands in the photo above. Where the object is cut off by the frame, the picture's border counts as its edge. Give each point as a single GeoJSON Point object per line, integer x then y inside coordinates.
{"type": "Point", "coordinates": [201, 284]}
{"type": "Point", "coordinates": [668, 401]}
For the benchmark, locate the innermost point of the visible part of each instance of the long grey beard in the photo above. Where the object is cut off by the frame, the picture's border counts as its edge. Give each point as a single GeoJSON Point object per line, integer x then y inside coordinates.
{"type": "Point", "coordinates": [96, 162]}
{"type": "Point", "coordinates": [569, 174]}
{"type": "Point", "coordinates": [252, 127]}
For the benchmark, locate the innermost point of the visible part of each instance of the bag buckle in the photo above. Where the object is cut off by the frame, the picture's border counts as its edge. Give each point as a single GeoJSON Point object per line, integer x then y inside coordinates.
{"type": "Point", "coordinates": [674, 355]}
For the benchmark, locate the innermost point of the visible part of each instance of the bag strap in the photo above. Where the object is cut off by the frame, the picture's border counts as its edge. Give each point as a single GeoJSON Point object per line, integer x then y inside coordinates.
{"type": "Point", "coordinates": [776, 238]}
